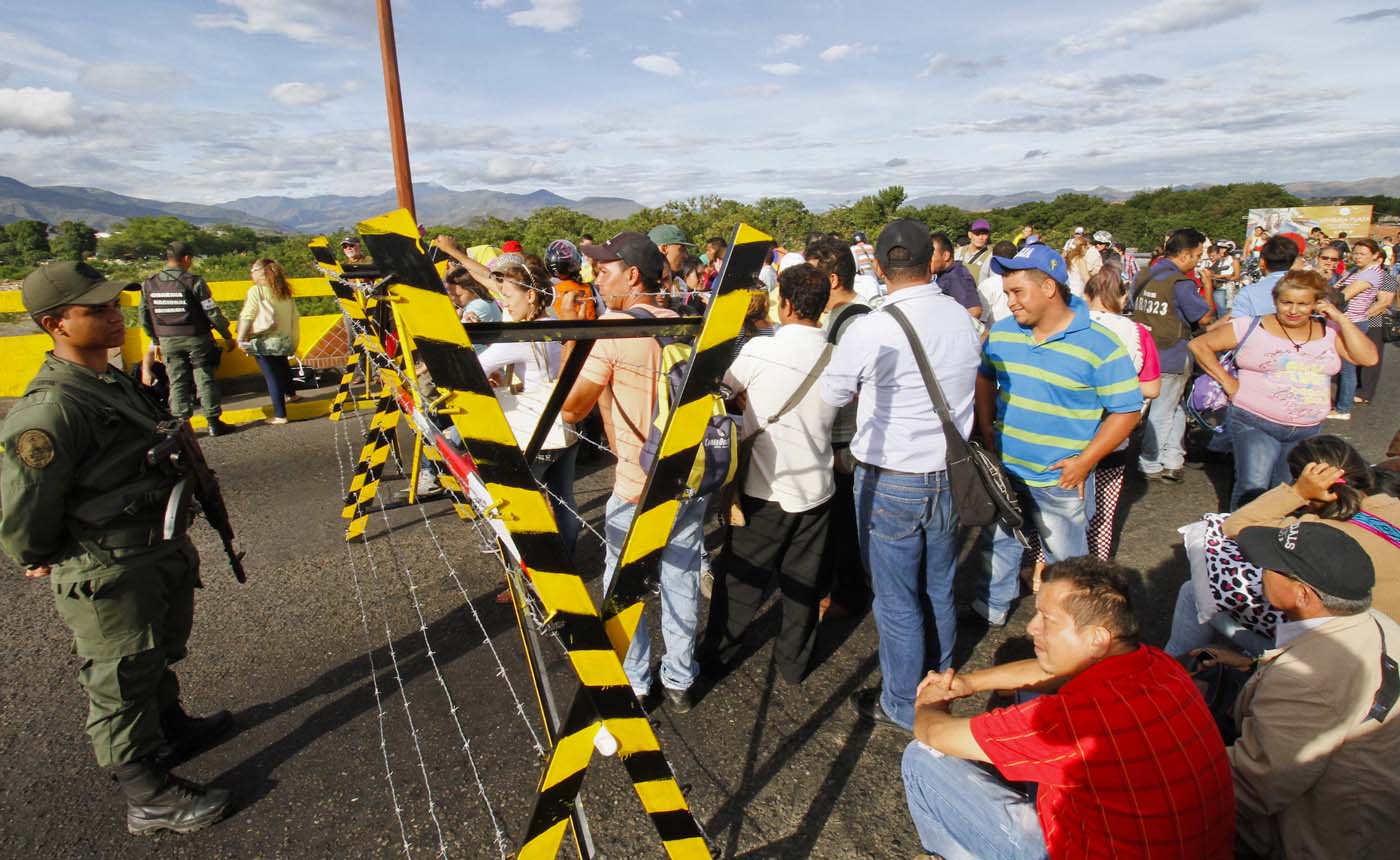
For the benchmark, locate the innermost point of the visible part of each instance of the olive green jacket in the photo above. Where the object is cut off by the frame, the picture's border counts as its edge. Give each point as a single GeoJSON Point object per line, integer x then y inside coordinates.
{"type": "Point", "coordinates": [76, 492]}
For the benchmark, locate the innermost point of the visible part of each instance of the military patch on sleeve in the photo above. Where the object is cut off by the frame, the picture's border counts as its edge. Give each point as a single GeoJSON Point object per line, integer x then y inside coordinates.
{"type": "Point", "coordinates": [34, 448]}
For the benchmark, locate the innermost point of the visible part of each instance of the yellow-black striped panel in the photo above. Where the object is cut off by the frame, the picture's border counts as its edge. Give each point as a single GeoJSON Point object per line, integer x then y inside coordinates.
{"type": "Point", "coordinates": [427, 327]}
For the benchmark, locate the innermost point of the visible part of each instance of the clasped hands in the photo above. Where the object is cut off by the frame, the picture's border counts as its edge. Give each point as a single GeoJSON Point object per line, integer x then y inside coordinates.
{"type": "Point", "coordinates": [940, 688]}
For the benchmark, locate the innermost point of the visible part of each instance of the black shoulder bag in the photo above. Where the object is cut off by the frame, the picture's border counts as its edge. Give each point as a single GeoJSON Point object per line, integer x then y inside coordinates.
{"type": "Point", "coordinates": [982, 494]}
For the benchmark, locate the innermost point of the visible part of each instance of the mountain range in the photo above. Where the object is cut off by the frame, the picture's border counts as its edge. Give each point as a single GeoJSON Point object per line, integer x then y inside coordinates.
{"type": "Point", "coordinates": [437, 204]}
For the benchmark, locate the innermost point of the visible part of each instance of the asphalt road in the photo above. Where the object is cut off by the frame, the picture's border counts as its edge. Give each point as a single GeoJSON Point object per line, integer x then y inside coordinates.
{"type": "Point", "coordinates": [324, 660]}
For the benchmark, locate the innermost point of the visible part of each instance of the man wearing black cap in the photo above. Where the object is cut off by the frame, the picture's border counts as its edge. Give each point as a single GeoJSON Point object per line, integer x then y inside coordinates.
{"type": "Point", "coordinates": [84, 509]}
{"type": "Point", "coordinates": [1317, 762]}
{"type": "Point", "coordinates": [178, 312]}
{"type": "Point", "coordinates": [620, 376]}
{"type": "Point", "coordinates": [904, 512]}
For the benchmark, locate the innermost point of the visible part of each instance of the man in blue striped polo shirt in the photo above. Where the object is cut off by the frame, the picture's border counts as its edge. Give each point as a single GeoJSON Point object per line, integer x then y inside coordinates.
{"type": "Point", "coordinates": [1056, 393]}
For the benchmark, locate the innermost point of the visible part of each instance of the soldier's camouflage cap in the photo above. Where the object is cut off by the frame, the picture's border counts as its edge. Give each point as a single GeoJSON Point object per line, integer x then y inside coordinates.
{"type": "Point", "coordinates": [67, 283]}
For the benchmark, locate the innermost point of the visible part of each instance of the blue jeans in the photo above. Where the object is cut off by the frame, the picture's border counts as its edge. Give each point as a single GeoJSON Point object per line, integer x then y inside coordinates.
{"type": "Point", "coordinates": [1164, 431]}
{"type": "Point", "coordinates": [680, 595]}
{"type": "Point", "coordinates": [277, 373]}
{"type": "Point", "coordinates": [965, 811]}
{"type": "Point", "coordinates": [555, 467]}
{"type": "Point", "coordinates": [1261, 451]}
{"type": "Point", "coordinates": [1222, 301]}
{"type": "Point", "coordinates": [1188, 633]}
{"type": "Point", "coordinates": [1061, 518]}
{"type": "Point", "coordinates": [909, 541]}
{"type": "Point", "coordinates": [1346, 386]}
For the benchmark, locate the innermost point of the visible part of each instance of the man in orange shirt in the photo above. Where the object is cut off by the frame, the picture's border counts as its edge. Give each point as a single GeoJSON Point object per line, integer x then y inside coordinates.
{"type": "Point", "coordinates": [621, 377]}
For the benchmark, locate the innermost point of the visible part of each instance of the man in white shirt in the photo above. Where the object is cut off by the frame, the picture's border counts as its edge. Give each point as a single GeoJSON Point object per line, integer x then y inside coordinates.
{"type": "Point", "coordinates": [904, 509]}
{"type": "Point", "coordinates": [787, 490]}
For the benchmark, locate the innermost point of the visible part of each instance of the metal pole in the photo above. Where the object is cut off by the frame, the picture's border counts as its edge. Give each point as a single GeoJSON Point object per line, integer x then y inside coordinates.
{"type": "Point", "coordinates": [393, 98]}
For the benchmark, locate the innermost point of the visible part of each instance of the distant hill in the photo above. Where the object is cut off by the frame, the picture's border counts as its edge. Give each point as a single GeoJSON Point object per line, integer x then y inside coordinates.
{"type": "Point", "coordinates": [435, 203]}
{"type": "Point", "coordinates": [102, 209]}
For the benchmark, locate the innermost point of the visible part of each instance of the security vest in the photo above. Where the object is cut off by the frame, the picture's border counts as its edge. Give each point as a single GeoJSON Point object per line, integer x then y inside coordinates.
{"type": "Point", "coordinates": [173, 308]}
{"type": "Point", "coordinates": [1154, 306]}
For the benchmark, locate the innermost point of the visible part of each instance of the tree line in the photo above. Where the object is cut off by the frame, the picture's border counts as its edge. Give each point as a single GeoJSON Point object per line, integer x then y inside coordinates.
{"type": "Point", "coordinates": [227, 250]}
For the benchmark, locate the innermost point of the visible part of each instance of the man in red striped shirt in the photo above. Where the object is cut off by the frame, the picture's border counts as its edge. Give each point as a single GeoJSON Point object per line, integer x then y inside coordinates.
{"type": "Point", "coordinates": [1120, 752]}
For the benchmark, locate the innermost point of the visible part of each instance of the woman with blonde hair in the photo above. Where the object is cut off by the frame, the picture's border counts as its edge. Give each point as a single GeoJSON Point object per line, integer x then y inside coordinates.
{"type": "Point", "coordinates": [269, 328]}
{"type": "Point", "coordinates": [1084, 262]}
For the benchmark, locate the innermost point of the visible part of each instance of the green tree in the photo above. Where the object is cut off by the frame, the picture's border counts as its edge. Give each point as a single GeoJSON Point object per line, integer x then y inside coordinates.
{"type": "Point", "coordinates": [872, 212]}
{"type": "Point", "coordinates": [146, 236]}
{"type": "Point", "coordinates": [75, 241]}
{"type": "Point", "coordinates": [29, 241]}
{"type": "Point", "coordinates": [786, 219]}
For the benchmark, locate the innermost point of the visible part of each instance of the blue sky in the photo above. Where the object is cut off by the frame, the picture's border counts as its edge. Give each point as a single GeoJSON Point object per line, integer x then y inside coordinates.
{"type": "Point", "coordinates": [825, 100]}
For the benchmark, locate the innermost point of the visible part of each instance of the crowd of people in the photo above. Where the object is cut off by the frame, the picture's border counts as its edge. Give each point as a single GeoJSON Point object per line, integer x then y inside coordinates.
{"type": "Point", "coordinates": [1265, 725]}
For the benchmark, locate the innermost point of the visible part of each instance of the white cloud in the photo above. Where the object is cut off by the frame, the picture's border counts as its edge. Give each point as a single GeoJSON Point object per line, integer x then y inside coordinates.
{"type": "Point", "coordinates": [298, 94]}
{"type": "Point", "coordinates": [130, 77]}
{"type": "Point", "coordinates": [38, 110]}
{"type": "Point", "coordinates": [674, 15]}
{"type": "Point", "coordinates": [843, 51]}
{"type": "Point", "coordinates": [548, 15]}
{"type": "Point", "coordinates": [761, 90]}
{"type": "Point", "coordinates": [658, 65]}
{"type": "Point", "coordinates": [785, 42]}
{"type": "Point", "coordinates": [299, 20]}
{"type": "Point", "coordinates": [25, 52]}
{"type": "Point", "coordinates": [963, 68]}
{"type": "Point", "coordinates": [491, 4]}
{"type": "Point", "coordinates": [782, 70]}
{"type": "Point", "coordinates": [515, 169]}
{"type": "Point", "coordinates": [1166, 16]}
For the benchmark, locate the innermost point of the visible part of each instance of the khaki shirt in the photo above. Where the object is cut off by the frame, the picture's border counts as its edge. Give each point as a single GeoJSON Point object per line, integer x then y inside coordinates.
{"type": "Point", "coordinates": [1314, 778]}
{"type": "Point", "coordinates": [73, 475]}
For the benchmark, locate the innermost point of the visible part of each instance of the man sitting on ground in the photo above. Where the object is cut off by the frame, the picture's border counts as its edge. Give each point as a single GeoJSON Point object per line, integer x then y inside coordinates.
{"type": "Point", "coordinates": [1314, 765]}
{"type": "Point", "coordinates": [1123, 751]}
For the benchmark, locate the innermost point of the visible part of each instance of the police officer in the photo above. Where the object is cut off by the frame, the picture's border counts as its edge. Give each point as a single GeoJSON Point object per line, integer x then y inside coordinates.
{"type": "Point", "coordinates": [84, 508]}
{"type": "Point", "coordinates": [178, 312]}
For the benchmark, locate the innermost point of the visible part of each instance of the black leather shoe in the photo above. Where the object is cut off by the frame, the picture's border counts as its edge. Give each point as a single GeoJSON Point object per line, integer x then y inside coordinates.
{"type": "Point", "coordinates": [867, 705]}
{"type": "Point", "coordinates": [185, 735]}
{"type": "Point", "coordinates": [219, 428]}
{"type": "Point", "coordinates": [157, 800]}
{"type": "Point", "coordinates": [678, 701]}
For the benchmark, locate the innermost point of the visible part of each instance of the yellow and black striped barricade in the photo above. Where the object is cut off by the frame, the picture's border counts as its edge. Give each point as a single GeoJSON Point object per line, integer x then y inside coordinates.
{"type": "Point", "coordinates": [667, 484]}
{"type": "Point", "coordinates": [430, 333]}
{"type": "Point", "coordinates": [359, 308]}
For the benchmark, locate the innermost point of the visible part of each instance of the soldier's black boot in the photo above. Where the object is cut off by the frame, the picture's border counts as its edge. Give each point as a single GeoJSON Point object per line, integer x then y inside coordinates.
{"type": "Point", "coordinates": [185, 735]}
{"type": "Point", "coordinates": [159, 800]}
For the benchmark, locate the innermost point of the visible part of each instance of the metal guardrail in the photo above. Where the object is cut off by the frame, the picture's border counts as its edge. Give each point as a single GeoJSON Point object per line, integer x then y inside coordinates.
{"type": "Point", "coordinates": [21, 354]}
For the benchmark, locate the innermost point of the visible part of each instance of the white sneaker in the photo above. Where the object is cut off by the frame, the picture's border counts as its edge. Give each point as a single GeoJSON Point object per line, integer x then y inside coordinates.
{"type": "Point", "coordinates": [1338, 416]}
{"type": "Point", "coordinates": [428, 484]}
{"type": "Point", "coordinates": [276, 421]}
{"type": "Point", "coordinates": [707, 576]}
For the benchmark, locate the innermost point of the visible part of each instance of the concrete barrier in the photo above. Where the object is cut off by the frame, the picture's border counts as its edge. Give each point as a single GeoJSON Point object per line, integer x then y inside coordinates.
{"type": "Point", "coordinates": [20, 355]}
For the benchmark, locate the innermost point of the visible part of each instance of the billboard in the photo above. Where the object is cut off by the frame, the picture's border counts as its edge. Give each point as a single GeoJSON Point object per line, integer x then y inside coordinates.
{"type": "Point", "coordinates": [1355, 221]}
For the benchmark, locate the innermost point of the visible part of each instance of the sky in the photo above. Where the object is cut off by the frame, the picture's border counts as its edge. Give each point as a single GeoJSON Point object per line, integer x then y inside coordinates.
{"type": "Point", "coordinates": [825, 100]}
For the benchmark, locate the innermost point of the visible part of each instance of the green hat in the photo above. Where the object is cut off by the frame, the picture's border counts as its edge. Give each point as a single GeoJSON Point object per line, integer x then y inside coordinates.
{"type": "Point", "coordinates": [668, 234]}
{"type": "Point", "coordinates": [57, 284]}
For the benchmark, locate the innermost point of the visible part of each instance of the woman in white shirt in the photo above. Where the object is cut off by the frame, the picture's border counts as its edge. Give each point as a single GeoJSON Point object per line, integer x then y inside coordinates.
{"type": "Point", "coordinates": [523, 375]}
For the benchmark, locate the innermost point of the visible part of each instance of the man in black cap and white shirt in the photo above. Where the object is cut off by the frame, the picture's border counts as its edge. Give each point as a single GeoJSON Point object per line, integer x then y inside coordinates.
{"type": "Point", "coordinates": [1317, 761]}
{"type": "Point", "coordinates": [904, 508]}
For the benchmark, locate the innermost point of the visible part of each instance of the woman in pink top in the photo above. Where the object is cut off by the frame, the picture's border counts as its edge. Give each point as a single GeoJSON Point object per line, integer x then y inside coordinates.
{"type": "Point", "coordinates": [1286, 362]}
{"type": "Point", "coordinates": [1369, 290]}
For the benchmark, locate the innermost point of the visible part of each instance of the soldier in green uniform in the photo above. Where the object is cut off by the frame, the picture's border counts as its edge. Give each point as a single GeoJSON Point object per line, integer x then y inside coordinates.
{"type": "Point", "coordinates": [178, 312]}
{"type": "Point", "coordinates": [83, 507]}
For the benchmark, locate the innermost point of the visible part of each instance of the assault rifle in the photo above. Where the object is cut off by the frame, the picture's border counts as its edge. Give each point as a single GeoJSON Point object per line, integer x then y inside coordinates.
{"type": "Point", "coordinates": [181, 450]}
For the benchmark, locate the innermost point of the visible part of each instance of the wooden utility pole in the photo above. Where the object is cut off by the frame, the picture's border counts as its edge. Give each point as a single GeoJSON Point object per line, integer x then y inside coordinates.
{"type": "Point", "coordinates": [393, 98]}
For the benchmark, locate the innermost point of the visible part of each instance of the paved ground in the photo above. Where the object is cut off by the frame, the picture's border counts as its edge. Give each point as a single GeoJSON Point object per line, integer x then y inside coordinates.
{"type": "Point", "coordinates": [771, 770]}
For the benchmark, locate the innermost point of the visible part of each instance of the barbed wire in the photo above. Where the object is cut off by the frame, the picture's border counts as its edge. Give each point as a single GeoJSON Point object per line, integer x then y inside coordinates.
{"type": "Point", "coordinates": [501, 842]}
{"type": "Point", "coordinates": [373, 669]}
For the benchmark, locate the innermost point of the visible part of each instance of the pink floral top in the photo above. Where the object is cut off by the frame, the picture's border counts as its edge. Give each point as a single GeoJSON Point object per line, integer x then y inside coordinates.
{"type": "Point", "coordinates": [1286, 382]}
